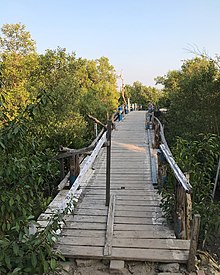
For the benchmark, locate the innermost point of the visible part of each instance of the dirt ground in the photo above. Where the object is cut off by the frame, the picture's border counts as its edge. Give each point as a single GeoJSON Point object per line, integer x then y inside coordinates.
{"type": "Point", "coordinates": [102, 268]}
{"type": "Point", "coordinates": [96, 267]}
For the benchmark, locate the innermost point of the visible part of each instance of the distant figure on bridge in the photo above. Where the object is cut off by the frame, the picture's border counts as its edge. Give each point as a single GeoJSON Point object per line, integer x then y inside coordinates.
{"type": "Point", "coordinates": [150, 110]}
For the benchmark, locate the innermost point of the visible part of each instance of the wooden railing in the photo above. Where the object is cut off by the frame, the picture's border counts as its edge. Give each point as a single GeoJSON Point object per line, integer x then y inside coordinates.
{"type": "Point", "coordinates": [70, 159]}
{"type": "Point", "coordinates": [185, 227]}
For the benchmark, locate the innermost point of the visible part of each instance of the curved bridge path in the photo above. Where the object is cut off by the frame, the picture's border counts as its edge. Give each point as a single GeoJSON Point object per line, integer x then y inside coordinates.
{"type": "Point", "coordinates": [132, 227]}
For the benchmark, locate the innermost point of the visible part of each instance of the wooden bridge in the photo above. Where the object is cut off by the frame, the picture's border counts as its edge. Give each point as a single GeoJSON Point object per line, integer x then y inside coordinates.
{"type": "Point", "coordinates": [131, 227]}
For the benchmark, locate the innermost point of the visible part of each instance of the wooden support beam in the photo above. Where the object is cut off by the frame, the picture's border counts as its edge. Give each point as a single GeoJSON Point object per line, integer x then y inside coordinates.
{"type": "Point", "coordinates": [193, 242]}
{"type": "Point", "coordinates": [188, 215]}
{"type": "Point", "coordinates": [188, 212]}
{"type": "Point", "coordinates": [157, 140]}
{"type": "Point", "coordinates": [97, 121]}
{"type": "Point", "coordinates": [180, 223]}
{"type": "Point", "coordinates": [110, 227]}
{"type": "Point", "coordinates": [65, 152]}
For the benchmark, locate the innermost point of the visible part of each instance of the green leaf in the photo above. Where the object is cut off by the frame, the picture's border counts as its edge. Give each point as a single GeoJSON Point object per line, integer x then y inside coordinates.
{"type": "Point", "coordinates": [11, 202]}
{"type": "Point", "coordinates": [2, 145]}
{"type": "Point", "coordinates": [3, 226]}
{"type": "Point", "coordinates": [53, 264]}
{"type": "Point", "coordinates": [34, 259]}
{"type": "Point", "coordinates": [8, 261]}
{"type": "Point", "coordinates": [8, 226]}
{"type": "Point", "coordinates": [16, 270]}
{"type": "Point", "coordinates": [15, 248]}
{"type": "Point", "coordinates": [46, 267]}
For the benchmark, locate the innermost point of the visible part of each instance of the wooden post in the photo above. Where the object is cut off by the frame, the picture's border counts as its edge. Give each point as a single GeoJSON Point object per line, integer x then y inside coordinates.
{"type": "Point", "coordinates": [74, 168]}
{"type": "Point", "coordinates": [188, 212]}
{"type": "Point", "coordinates": [110, 227]}
{"type": "Point", "coordinates": [62, 172]}
{"type": "Point", "coordinates": [157, 140]}
{"type": "Point", "coordinates": [188, 215]}
{"type": "Point", "coordinates": [161, 169]}
{"type": "Point", "coordinates": [108, 161]}
{"type": "Point", "coordinates": [194, 242]}
{"type": "Point", "coordinates": [180, 217]}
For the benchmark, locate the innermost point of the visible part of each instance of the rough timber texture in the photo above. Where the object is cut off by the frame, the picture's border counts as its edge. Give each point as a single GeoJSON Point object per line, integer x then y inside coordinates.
{"type": "Point", "coordinates": [139, 230]}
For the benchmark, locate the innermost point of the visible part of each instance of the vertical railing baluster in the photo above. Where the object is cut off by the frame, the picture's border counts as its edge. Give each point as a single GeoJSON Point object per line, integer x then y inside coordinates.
{"type": "Point", "coordinates": [108, 162]}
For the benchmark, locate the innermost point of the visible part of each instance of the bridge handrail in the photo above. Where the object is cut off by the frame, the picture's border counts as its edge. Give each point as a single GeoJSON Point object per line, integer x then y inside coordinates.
{"type": "Point", "coordinates": [72, 158]}
{"type": "Point", "coordinates": [170, 159]}
{"type": "Point", "coordinates": [65, 152]}
{"type": "Point", "coordinates": [182, 188]}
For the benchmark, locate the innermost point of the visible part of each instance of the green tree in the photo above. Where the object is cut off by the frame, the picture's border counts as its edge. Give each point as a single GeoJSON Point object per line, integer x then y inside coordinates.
{"type": "Point", "coordinates": [194, 98]}
{"type": "Point", "coordinates": [44, 102]}
{"type": "Point", "coordinates": [18, 60]}
{"type": "Point", "coordinates": [142, 95]}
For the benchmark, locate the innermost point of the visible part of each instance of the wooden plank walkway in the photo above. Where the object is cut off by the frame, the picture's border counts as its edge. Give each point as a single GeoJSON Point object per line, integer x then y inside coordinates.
{"type": "Point", "coordinates": [132, 228]}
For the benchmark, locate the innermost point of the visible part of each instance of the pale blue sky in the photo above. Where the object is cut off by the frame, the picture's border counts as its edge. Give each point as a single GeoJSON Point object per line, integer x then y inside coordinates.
{"type": "Point", "coordinates": [141, 38]}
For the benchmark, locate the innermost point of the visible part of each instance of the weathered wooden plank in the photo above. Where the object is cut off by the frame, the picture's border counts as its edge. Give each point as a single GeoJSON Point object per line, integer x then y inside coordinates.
{"type": "Point", "coordinates": [151, 255]}
{"type": "Point", "coordinates": [122, 197]}
{"type": "Point", "coordinates": [139, 208]}
{"type": "Point", "coordinates": [80, 251]}
{"type": "Point", "coordinates": [110, 227]}
{"type": "Point", "coordinates": [136, 208]}
{"type": "Point", "coordinates": [125, 193]}
{"type": "Point", "coordinates": [86, 225]}
{"type": "Point", "coordinates": [169, 244]}
{"type": "Point", "coordinates": [144, 234]}
{"type": "Point", "coordinates": [139, 220]}
{"type": "Point", "coordinates": [125, 202]}
{"type": "Point", "coordinates": [131, 168]}
{"type": "Point", "coordinates": [118, 219]}
{"type": "Point", "coordinates": [138, 214]}
{"type": "Point", "coordinates": [87, 218]}
{"type": "Point", "coordinates": [82, 240]}
{"type": "Point", "coordinates": [83, 233]}
{"type": "Point", "coordinates": [140, 182]}
{"type": "Point", "coordinates": [130, 187]}
{"type": "Point", "coordinates": [150, 203]}
{"type": "Point", "coordinates": [140, 227]}
{"type": "Point", "coordinates": [91, 212]}
{"type": "Point", "coordinates": [127, 172]}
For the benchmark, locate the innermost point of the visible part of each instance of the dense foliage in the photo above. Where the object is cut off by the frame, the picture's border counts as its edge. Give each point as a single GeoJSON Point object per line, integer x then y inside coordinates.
{"type": "Point", "coordinates": [192, 128]}
{"type": "Point", "coordinates": [44, 102]}
{"type": "Point", "coordinates": [193, 99]}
